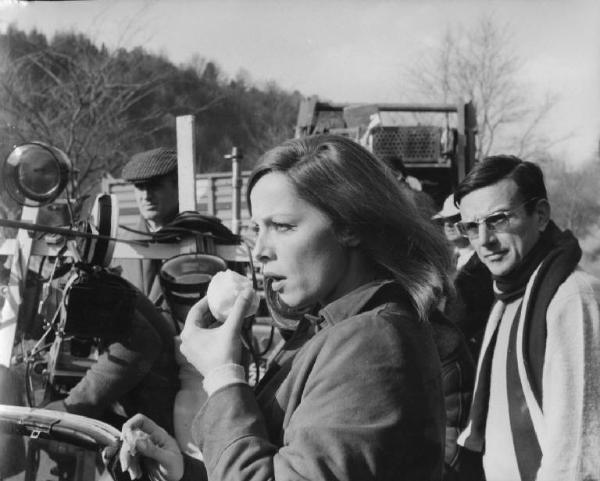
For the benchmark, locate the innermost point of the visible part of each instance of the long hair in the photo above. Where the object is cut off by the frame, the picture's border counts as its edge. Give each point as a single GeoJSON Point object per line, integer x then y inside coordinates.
{"type": "Point", "coordinates": [360, 194]}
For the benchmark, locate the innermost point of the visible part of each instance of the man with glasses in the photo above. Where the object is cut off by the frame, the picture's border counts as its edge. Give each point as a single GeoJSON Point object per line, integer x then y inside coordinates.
{"type": "Point", "coordinates": [471, 305]}
{"type": "Point", "coordinates": [535, 413]}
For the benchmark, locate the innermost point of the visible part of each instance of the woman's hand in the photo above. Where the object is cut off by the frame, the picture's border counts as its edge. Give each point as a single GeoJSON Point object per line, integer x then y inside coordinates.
{"type": "Point", "coordinates": [146, 442]}
{"type": "Point", "coordinates": [207, 349]}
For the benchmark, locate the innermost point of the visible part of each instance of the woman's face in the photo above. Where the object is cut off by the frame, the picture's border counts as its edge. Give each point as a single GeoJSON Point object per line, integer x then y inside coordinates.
{"type": "Point", "coordinates": [297, 246]}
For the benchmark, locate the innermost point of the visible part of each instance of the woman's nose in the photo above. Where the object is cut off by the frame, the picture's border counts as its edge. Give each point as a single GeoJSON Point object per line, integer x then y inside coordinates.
{"type": "Point", "coordinates": [262, 251]}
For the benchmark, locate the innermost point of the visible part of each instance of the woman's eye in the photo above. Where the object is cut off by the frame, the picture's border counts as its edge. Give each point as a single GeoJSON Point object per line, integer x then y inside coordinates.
{"type": "Point", "coordinates": [280, 227]}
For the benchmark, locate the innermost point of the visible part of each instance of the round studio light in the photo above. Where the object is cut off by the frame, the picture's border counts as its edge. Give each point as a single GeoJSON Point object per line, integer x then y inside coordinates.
{"type": "Point", "coordinates": [35, 173]}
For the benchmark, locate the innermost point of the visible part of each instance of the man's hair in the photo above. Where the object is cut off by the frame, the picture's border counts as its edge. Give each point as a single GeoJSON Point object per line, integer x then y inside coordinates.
{"type": "Point", "coordinates": [360, 194]}
{"type": "Point", "coordinates": [527, 175]}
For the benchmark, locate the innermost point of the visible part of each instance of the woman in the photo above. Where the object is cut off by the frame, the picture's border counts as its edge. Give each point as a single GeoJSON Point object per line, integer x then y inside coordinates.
{"type": "Point", "coordinates": [356, 393]}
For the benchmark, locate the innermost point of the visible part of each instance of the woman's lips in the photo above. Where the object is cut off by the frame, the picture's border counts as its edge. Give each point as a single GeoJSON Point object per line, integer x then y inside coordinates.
{"type": "Point", "coordinates": [275, 283]}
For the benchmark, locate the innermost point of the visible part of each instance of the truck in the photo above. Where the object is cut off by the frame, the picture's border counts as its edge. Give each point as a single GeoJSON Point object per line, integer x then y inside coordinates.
{"type": "Point", "coordinates": [432, 143]}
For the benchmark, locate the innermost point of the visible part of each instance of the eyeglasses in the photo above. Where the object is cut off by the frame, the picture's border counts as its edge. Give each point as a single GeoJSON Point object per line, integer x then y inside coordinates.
{"type": "Point", "coordinates": [495, 222]}
{"type": "Point", "coordinates": [452, 220]}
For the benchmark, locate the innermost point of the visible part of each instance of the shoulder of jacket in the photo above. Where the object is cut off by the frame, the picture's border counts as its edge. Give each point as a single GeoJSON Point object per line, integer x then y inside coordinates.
{"type": "Point", "coordinates": [375, 322]}
{"type": "Point", "coordinates": [579, 284]}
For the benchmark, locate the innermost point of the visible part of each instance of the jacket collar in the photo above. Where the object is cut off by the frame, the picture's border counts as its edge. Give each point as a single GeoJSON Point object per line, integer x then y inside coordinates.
{"type": "Point", "coordinates": [347, 305]}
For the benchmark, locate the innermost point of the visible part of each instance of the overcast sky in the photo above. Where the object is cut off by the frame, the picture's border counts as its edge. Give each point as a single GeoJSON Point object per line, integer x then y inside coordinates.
{"type": "Point", "coordinates": [352, 50]}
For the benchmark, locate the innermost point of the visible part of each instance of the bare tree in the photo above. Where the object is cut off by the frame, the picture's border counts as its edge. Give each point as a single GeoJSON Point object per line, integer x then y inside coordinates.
{"type": "Point", "coordinates": [482, 65]}
{"type": "Point", "coordinates": [573, 195]}
{"type": "Point", "coordinates": [79, 101]}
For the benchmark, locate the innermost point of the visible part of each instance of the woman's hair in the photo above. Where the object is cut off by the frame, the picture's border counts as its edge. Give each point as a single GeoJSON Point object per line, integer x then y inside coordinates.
{"type": "Point", "coordinates": [527, 175]}
{"type": "Point", "coordinates": [361, 195]}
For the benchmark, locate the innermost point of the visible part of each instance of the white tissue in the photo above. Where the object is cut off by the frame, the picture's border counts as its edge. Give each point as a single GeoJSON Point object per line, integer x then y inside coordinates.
{"type": "Point", "coordinates": [223, 290]}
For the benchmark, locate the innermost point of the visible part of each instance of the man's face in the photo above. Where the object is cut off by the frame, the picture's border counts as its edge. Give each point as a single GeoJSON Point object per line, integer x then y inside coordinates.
{"type": "Point", "coordinates": [450, 230]}
{"type": "Point", "coordinates": [157, 199]}
{"type": "Point", "coordinates": [502, 251]}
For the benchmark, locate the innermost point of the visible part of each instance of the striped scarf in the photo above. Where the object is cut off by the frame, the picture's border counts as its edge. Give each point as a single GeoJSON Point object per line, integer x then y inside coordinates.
{"type": "Point", "coordinates": [557, 255]}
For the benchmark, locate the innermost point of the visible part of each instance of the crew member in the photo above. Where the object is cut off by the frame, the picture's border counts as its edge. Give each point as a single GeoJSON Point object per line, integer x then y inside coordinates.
{"type": "Point", "coordinates": [535, 411]}
{"type": "Point", "coordinates": [138, 372]}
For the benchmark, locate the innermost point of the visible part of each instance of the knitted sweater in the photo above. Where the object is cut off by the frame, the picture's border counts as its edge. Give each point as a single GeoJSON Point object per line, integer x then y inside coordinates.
{"type": "Point", "coordinates": [567, 423]}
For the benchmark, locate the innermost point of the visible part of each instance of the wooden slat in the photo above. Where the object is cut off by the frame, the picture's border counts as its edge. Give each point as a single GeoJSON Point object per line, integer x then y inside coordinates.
{"type": "Point", "coordinates": [186, 165]}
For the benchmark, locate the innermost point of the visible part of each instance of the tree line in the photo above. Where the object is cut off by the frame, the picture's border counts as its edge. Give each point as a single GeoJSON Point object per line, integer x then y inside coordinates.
{"type": "Point", "coordinates": [101, 106]}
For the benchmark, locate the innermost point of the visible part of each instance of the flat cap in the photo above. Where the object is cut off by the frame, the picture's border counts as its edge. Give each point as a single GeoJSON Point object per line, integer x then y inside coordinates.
{"type": "Point", "coordinates": [149, 164]}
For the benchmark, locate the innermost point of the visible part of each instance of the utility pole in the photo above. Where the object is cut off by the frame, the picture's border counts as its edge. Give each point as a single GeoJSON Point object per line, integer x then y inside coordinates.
{"type": "Point", "coordinates": [236, 183]}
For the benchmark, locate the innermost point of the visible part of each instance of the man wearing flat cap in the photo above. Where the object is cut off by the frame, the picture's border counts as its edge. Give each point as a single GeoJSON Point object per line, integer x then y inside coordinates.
{"type": "Point", "coordinates": [138, 373]}
{"type": "Point", "coordinates": [153, 174]}
{"type": "Point", "coordinates": [154, 177]}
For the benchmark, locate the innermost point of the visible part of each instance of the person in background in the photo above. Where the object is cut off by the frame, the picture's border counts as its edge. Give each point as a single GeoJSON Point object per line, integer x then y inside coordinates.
{"type": "Point", "coordinates": [458, 369]}
{"type": "Point", "coordinates": [356, 392]}
{"type": "Point", "coordinates": [412, 186]}
{"type": "Point", "coordinates": [455, 352]}
{"type": "Point", "coordinates": [153, 174]}
{"type": "Point", "coordinates": [535, 412]}
{"type": "Point", "coordinates": [458, 377]}
{"type": "Point", "coordinates": [138, 372]}
{"type": "Point", "coordinates": [471, 305]}
{"type": "Point", "coordinates": [447, 218]}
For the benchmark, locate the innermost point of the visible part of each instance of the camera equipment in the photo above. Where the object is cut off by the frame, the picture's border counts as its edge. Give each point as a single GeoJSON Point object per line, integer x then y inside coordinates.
{"type": "Point", "coordinates": [98, 304]}
{"type": "Point", "coordinates": [83, 304]}
{"type": "Point", "coordinates": [185, 278]}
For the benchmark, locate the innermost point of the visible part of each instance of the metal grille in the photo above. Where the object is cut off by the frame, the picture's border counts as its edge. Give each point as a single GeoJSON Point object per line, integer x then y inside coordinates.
{"type": "Point", "coordinates": [411, 144]}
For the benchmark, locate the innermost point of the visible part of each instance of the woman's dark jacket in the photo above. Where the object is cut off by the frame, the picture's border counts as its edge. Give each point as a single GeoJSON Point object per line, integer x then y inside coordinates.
{"type": "Point", "coordinates": [355, 394]}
